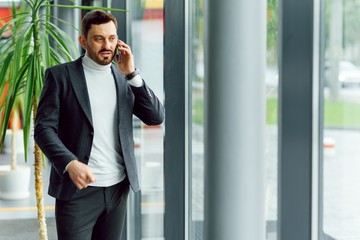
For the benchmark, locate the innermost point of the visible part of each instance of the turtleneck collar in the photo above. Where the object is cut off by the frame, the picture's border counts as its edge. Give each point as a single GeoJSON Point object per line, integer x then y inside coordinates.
{"type": "Point", "coordinates": [88, 62]}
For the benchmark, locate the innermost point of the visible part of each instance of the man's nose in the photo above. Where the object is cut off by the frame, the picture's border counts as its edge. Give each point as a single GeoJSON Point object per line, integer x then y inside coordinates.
{"type": "Point", "coordinates": [106, 43]}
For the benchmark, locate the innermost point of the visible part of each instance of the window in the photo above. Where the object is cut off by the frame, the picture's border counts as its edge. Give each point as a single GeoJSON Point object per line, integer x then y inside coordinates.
{"type": "Point", "coordinates": [271, 155]}
{"type": "Point", "coordinates": [341, 97]}
{"type": "Point", "coordinates": [146, 38]}
{"type": "Point", "coordinates": [196, 86]}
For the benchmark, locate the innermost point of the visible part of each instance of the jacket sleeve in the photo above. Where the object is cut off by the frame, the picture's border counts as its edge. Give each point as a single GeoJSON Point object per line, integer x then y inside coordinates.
{"type": "Point", "coordinates": [147, 106]}
{"type": "Point", "coordinates": [46, 124]}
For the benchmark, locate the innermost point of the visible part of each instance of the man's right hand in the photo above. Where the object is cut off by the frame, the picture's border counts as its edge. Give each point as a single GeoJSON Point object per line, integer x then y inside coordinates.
{"type": "Point", "coordinates": [80, 174]}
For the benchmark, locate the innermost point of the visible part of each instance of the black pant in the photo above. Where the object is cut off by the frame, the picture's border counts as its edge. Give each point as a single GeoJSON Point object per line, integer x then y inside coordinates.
{"type": "Point", "coordinates": [95, 213]}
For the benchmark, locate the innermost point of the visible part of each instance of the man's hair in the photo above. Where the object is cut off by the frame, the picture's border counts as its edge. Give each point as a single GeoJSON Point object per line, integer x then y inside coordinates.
{"type": "Point", "coordinates": [95, 17]}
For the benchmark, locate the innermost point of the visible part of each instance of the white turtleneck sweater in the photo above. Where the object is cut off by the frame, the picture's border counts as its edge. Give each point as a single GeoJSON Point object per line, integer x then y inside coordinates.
{"type": "Point", "coordinates": [105, 161]}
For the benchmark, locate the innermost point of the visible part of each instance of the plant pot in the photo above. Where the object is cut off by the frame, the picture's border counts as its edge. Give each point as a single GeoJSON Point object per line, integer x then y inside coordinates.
{"type": "Point", "coordinates": [14, 184]}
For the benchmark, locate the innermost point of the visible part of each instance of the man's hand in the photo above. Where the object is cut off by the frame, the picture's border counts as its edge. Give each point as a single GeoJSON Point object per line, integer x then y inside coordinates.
{"type": "Point", "coordinates": [126, 65]}
{"type": "Point", "coordinates": [80, 174]}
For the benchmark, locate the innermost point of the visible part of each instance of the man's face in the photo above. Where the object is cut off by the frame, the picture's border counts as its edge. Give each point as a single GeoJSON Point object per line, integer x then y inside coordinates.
{"type": "Point", "coordinates": [100, 42]}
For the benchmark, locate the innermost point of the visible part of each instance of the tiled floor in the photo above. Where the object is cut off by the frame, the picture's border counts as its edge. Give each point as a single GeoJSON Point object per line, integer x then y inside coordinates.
{"type": "Point", "coordinates": [20, 229]}
{"type": "Point", "coordinates": [18, 217]}
{"type": "Point", "coordinates": [26, 208]}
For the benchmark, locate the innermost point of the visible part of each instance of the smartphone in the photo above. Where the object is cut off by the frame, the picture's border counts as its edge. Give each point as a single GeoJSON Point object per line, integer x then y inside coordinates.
{"type": "Point", "coordinates": [117, 56]}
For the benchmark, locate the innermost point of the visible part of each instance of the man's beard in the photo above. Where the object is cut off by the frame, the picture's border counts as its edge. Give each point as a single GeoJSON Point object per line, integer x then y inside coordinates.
{"type": "Point", "coordinates": [102, 60]}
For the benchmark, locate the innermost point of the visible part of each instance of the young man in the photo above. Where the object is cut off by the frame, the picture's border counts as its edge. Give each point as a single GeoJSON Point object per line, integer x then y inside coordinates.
{"type": "Point", "coordinates": [84, 127]}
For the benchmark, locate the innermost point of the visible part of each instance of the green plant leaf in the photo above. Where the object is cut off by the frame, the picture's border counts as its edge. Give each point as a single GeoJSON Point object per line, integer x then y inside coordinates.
{"type": "Point", "coordinates": [62, 41]}
{"type": "Point", "coordinates": [88, 7]}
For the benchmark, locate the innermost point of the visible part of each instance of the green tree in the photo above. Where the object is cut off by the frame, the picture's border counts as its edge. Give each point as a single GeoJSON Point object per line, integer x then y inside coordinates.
{"type": "Point", "coordinates": [272, 30]}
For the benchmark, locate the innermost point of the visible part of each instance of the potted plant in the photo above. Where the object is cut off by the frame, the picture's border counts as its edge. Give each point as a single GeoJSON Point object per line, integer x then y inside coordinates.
{"type": "Point", "coordinates": [34, 45]}
{"type": "Point", "coordinates": [14, 178]}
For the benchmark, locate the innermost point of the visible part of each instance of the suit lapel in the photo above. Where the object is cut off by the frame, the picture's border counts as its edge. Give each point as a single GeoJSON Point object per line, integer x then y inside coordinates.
{"type": "Point", "coordinates": [121, 87]}
{"type": "Point", "coordinates": [77, 79]}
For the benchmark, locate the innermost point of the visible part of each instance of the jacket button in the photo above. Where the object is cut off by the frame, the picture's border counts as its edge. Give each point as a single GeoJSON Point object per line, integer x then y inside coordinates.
{"type": "Point", "coordinates": [92, 133]}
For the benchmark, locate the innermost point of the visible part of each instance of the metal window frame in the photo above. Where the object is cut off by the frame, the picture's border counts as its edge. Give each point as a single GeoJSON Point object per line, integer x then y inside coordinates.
{"type": "Point", "coordinates": [295, 126]}
{"type": "Point", "coordinates": [175, 141]}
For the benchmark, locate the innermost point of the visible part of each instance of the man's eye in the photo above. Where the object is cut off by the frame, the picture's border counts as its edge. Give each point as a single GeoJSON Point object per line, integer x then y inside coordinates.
{"type": "Point", "coordinates": [98, 39]}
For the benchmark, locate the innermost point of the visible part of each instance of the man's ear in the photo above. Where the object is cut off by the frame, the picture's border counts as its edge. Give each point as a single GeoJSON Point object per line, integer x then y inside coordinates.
{"type": "Point", "coordinates": [82, 41]}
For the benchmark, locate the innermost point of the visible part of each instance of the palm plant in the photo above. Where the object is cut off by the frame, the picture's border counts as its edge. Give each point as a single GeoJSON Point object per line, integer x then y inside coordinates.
{"type": "Point", "coordinates": [35, 44]}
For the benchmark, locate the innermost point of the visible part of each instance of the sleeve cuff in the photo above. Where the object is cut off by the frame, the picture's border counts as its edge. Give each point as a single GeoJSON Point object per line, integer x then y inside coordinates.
{"type": "Point", "coordinates": [136, 81]}
{"type": "Point", "coordinates": [66, 167]}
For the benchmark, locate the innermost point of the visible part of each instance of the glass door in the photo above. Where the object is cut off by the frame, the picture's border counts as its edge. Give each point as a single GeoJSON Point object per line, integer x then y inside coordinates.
{"type": "Point", "coordinates": [341, 126]}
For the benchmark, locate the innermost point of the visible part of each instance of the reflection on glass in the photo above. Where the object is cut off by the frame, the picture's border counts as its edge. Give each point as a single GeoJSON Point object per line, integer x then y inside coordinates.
{"type": "Point", "coordinates": [341, 165]}
{"type": "Point", "coordinates": [147, 46]}
{"type": "Point", "coordinates": [196, 78]}
{"type": "Point", "coordinates": [271, 154]}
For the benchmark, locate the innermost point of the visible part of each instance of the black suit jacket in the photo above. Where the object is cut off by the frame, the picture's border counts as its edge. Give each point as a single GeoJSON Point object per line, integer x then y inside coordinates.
{"type": "Point", "coordinates": [64, 129]}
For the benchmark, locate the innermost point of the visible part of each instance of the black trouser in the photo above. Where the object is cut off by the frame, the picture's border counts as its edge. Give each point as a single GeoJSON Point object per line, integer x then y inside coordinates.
{"type": "Point", "coordinates": [95, 213]}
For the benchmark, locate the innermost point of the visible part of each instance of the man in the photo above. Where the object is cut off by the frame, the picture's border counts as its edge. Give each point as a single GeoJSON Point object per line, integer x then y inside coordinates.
{"type": "Point", "coordinates": [84, 127]}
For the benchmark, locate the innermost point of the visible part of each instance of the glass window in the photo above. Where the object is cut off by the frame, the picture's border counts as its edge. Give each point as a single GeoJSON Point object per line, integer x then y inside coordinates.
{"type": "Point", "coordinates": [271, 154]}
{"type": "Point", "coordinates": [341, 125]}
{"type": "Point", "coordinates": [146, 40]}
{"type": "Point", "coordinates": [196, 78]}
